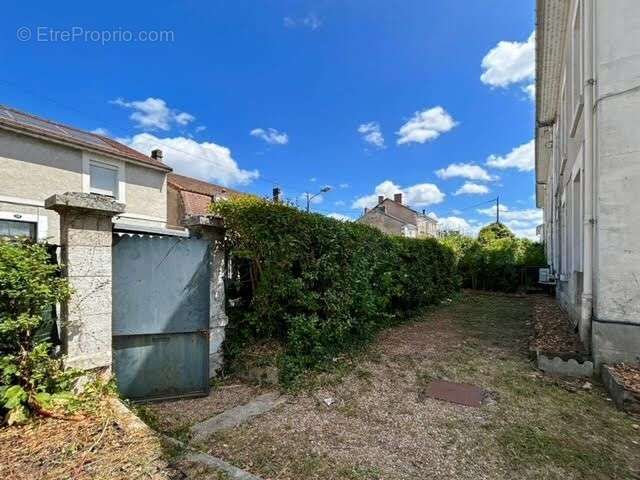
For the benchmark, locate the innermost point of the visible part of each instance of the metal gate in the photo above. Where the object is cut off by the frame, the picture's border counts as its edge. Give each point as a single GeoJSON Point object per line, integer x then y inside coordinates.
{"type": "Point", "coordinates": [160, 316]}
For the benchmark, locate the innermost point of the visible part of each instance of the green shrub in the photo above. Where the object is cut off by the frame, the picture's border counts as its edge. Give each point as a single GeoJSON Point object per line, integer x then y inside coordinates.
{"type": "Point", "coordinates": [320, 286]}
{"type": "Point", "coordinates": [494, 260]}
{"type": "Point", "coordinates": [31, 377]}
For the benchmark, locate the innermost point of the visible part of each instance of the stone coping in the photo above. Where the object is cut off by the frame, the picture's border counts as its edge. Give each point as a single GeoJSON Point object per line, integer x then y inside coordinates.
{"type": "Point", "coordinates": [191, 221]}
{"type": "Point", "coordinates": [91, 203]}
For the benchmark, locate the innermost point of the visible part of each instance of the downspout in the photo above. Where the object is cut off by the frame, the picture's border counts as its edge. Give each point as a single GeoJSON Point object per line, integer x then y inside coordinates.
{"type": "Point", "coordinates": [589, 177]}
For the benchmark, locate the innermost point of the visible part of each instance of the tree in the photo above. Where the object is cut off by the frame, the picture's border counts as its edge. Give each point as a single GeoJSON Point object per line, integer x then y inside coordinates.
{"type": "Point", "coordinates": [494, 231]}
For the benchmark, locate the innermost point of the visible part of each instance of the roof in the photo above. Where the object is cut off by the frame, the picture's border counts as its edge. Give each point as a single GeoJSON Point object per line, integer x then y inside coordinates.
{"type": "Point", "coordinates": [197, 195]}
{"type": "Point", "coordinates": [195, 203]}
{"type": "Point", "coordinates": [376, 209]}
{"type": "Point", "coordinates": [551, 29]}
{"type": "Point", "coordinates": [189, 184]}
{"type": "Point", "coordinates": [18, 121]}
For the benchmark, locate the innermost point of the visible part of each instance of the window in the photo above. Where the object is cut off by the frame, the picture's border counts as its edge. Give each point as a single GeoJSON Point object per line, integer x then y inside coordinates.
{"type": "Point", "coordinates": [14, 228]}
{"type": "Point", "coordinates": [103, 179]}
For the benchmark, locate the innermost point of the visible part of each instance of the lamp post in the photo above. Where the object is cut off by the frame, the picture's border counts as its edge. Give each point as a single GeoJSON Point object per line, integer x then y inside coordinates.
{"type": "Point", "coordinates": [311, 197]}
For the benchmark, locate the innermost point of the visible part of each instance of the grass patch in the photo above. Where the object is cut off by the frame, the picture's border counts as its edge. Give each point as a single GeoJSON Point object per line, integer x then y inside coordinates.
{"type": "Point", "coordinates": [531, 445]}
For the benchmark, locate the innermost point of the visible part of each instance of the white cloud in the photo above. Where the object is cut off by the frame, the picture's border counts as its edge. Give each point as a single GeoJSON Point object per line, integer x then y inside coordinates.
{"type": "Point", "coordinates": [470, 188]}
{"type": "Point", "coordinates": [530, 90]}
{"type": "Point", "coordinates": [310, 21]}
{"type": "Point", "coordinates": [270, 135]}
{"type": "Point", "coordinates": [454, 223]}
{"type": "Point", "coordinates": [522, 158]}
{"type": "Point", "coordinates": [426, 126]}
{"type": "Point", "coordinates": [339, 216]}
{"type": "Point", "coordinates": [101, 131]}
{"type": "Point", "coordinates": [340, 203]}
{"type": "Point", "coordinates": [154, 114]}
{"type": "Point", "coordinates": [419, 195]}
{"type": "Point", "coordinates": [200, 128]}
{"type": "Point", "coordinates": [206, 160]}
{"type": "Point", "coordinates": [371, 134]}
{"type": "Point", "coordinates": [464, 170]}
{"type": "Point", "coordinates": [344, 185]}
{"type": "Point", "coordinates": [509, 62]}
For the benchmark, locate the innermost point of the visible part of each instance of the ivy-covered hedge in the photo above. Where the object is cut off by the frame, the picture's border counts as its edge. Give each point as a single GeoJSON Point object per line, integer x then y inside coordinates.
{"type": "Point", "coordinates": [322, 286]}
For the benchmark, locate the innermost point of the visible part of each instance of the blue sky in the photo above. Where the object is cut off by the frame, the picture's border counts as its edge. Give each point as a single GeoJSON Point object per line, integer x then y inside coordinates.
{"type": "Point", "coordinates": [367, 96]}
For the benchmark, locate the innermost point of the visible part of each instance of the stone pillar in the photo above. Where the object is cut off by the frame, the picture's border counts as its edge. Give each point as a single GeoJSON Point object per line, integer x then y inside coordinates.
{"type": "Point", "coordinates": [212, 228]}
{"type": "Point", "coordinates": [86, 241]}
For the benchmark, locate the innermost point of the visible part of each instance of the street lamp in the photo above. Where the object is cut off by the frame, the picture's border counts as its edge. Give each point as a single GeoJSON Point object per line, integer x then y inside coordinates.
{"type": "Point", "coordinates": [311, 197]}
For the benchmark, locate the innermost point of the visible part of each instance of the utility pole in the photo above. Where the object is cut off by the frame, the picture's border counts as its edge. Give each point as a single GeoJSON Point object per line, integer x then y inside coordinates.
{"type": "Point", "coordinates": [498, 209]}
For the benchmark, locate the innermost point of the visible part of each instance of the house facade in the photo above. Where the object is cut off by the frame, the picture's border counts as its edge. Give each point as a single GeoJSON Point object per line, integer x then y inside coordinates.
{"type": "Point", "coordinates": [587, 166]}
{"type": "Point", "coordinates": [395, 218]}
{"type": "Point", "coordinates": [40, 158]}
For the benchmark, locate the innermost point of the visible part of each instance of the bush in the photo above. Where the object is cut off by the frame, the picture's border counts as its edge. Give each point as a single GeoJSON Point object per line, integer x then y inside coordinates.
{"type": "Point", "coordinates": [494, 260]}
{"type": "Point", "coordinates": [31, 377]}
{"type": "Point", "coordinates": [321, 286]}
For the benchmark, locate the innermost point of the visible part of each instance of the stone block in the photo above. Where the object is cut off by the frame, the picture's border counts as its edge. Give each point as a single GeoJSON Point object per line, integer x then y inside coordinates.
{"type": "Point", "coordinates": [88, 261]}
{"type": "Point", "coordinates": [216, 358]}
{"type": "Point", "coordinates": [88, 340]}
{"type": "Point", "coordinates": [91, 295]}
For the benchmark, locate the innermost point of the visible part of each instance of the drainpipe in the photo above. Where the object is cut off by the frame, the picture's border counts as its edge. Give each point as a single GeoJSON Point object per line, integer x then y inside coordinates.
{"type": "Point", "coordinates": [589, 176]}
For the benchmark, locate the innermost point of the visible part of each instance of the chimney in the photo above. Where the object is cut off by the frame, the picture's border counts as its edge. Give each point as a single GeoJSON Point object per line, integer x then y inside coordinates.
{"type": "Point", "coordinates": [398, 198]}
{"type": "Point", "coordinates": [380, 199]}
{"type": "Point", "coordinates": [277, 194]}
{"type": "Point", "coordinates": [366, 210]}
{"type": "Point", "coordinates": [156, 154]}
{"type": "Point", "coordinates": [424, 212]}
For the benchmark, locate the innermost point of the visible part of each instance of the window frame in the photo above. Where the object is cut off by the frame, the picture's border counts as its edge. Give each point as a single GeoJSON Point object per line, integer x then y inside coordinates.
{"type": "Point", "coordinates": [104, 166]}
{"type": "Point", "coordinates": [33, 237]}
{"type": "Point", "coordinates": [104, 162]}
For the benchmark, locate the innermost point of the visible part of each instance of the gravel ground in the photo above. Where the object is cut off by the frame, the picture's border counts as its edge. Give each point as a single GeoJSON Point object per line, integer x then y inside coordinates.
{"type": "Point", "coordinates": [379, 426]}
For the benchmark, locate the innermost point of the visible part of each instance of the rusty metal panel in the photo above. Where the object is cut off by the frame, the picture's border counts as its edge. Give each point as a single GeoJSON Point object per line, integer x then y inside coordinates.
{"type": "Point", "coordinates": [460, 393]}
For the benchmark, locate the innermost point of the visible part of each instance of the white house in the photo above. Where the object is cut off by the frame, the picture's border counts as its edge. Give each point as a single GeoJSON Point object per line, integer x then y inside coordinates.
{"type": "Point", "coordinates": [588, 166]}
{"type": "Point", "coordinates": [39, 158]}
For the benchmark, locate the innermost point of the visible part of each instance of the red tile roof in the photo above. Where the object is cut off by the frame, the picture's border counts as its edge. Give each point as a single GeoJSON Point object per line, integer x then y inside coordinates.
{"type": "Point", "coordinates": [30, 124]}
{"type": "Point", "coordinates": [195, 203]}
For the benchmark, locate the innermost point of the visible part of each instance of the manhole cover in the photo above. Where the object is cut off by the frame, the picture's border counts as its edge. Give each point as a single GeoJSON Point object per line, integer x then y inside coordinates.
{"type": "Point", "coordinates": [461, 393]}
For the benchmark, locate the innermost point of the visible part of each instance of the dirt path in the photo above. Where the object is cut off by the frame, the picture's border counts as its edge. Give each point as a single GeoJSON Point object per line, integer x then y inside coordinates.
{"type": "Point", "coordinates": [381, 426]}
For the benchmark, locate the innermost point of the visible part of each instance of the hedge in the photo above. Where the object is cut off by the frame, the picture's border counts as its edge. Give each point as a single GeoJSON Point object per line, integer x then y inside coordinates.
{"type": "Point", "coordinates": [319, 286]}
{"type": "Point", "coordinates": [493, 261]}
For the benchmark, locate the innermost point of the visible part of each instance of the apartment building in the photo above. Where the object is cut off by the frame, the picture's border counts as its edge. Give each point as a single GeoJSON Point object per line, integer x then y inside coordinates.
{"type": "Point", "coordinates": [588, 166]}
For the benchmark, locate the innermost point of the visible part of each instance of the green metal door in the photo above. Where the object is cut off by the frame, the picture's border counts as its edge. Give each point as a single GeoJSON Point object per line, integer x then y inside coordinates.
{"type": "Point", "coordinates": [161, 316]}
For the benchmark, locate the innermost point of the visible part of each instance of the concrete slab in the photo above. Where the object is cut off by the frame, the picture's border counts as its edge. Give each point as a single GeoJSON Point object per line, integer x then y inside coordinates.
{"type": "Point", "coordinates": [236, 416]}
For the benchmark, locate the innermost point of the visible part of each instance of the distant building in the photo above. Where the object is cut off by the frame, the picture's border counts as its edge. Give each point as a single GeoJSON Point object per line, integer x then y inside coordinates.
{"type": "Point", "coordinates": [588, 166]}
{"type": "Point", "coordinates": [394, 218]}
